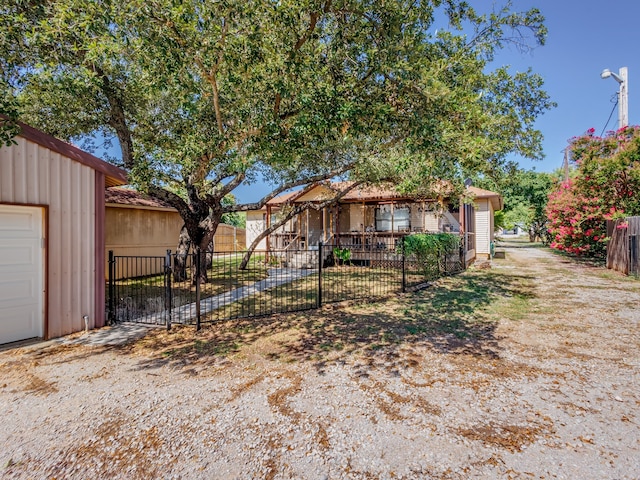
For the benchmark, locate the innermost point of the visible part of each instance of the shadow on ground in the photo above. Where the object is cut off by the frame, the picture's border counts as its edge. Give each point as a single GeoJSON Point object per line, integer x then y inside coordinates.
{"type": "Point", "coordinates": [457, 316]}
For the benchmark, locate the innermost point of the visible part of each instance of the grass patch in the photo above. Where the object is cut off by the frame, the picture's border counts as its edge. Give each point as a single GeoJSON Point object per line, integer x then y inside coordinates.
{"type": "Point", "coordinates": [457, 315]}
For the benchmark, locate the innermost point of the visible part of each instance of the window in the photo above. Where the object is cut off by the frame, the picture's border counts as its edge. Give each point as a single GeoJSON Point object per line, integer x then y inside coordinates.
{"type": "Point", "coordinates": [388, 217]}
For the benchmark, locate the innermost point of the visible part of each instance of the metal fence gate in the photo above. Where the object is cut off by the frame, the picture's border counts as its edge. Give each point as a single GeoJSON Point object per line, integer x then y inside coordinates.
{"type": "Point", "coordinates": [164, 290]}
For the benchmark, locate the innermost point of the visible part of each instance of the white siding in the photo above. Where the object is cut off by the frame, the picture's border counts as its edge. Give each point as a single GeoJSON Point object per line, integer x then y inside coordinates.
{"type": "Point", "coordinates": [255, 226]}
{"type": "Point", "coordinates": [431, 222]}
{"type": "Point", "coordinates": [484, 221]}
{"type": "Point", "coordinates": [34, 175]}
{"type": "Point", "coordinates": [416, 217]}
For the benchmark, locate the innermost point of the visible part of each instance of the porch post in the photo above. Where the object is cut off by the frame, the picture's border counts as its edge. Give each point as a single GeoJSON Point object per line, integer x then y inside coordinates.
{"type": "Point", "coordinates": [307, 234]}
{"type": "Point", "coordinates": [463, 234]}
{"type": "Point", "coordinates": [392, 212]}
{"type": "Point", "coordinates": [268, 239]}
{"type": "Point", "coordinates": [364, 226]}
{"type": "Point", "coordinates": [336, 222]}
{"type": "Point", "coordinates": [324, 224]}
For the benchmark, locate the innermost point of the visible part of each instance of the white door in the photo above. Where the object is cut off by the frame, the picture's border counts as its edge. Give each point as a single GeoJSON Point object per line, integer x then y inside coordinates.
{"type": "Point", "coordinates": [21, 273]}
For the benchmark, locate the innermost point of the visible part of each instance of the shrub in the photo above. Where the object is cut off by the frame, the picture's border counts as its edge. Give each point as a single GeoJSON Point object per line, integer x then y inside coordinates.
{"type": "Point", "coordinates": [429, 250]}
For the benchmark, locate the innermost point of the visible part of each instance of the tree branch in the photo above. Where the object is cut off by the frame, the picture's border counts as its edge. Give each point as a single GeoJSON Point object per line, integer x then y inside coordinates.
{"type": "Point", "coordinates": [229, 187]}
{"type": "Point", "coordinates": [298, 209]}
{"type": "Point", "coordinates": [313, 20]}
{"type": "Point", "coordinates": [296, 183]}
{"type": "Point", "coordinates": [172, 199]}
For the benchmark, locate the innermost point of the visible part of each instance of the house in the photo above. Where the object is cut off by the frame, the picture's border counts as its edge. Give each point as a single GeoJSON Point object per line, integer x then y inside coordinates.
{"type": "Point", "coordinates": [485, 204]}
{"type": "Point", "coordinates": [374, 218]}
{"type": "Point", "coordinates": [141, 225]}
{"type": "Point", "coordinates": [52, 223]}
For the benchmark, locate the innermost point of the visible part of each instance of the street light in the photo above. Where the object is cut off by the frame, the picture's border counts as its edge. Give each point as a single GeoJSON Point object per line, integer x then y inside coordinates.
{"type": "Point", "coordinates": [623, 93]}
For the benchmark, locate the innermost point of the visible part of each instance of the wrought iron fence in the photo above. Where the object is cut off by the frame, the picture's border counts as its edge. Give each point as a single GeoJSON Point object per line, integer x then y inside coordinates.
{"type": "Point", "coordinates": [271, 282]}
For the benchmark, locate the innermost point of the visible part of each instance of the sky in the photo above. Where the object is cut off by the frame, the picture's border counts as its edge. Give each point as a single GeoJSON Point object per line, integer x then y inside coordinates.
{"type": "Point", "coordinates": [584, 38]}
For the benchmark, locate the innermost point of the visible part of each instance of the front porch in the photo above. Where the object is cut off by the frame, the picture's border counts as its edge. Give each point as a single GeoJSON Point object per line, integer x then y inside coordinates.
{"type": "Point", "coordinates": [362, 226]}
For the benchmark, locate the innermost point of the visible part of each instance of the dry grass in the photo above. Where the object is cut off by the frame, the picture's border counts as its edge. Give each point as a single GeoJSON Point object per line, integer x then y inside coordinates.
{"type": "Point", "coordinates": [510, 437]}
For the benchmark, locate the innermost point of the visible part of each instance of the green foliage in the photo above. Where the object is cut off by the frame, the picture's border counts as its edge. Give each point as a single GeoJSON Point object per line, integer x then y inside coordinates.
{"type": "Point", "coordinates": [237, 219]}
{"type": "Point", "coordinates": [428, 250]}
{"type": "Point", "coordinates": [525, 194]}
{"type": "Point", "coordinates": [8, 115]}
{"type": "Point", "coordinates": [605, 186]}
{"type": "Point", "coordinates": [499, 220]}
{"type": "Point", "coordinates": [343, 255]}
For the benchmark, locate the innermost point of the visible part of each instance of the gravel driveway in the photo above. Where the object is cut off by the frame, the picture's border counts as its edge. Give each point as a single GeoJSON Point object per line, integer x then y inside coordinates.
{"type": "Point", "coordinates": [529, 369]}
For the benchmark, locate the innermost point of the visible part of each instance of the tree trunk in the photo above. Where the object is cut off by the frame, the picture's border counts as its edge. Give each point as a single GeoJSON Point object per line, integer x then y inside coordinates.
{"type": "Point", "coordinates": [182, 252]}
{"type": "Point", "coordinates": [265, 233]}
{"type": "Point", "coordinates": [209, 255]}
{"type": "Point", "coordinates": [205, 259]}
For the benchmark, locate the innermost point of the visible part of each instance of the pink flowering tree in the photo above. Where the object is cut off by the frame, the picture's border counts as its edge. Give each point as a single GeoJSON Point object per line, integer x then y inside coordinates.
{"type": "Point", "coordinates": [606, 185]}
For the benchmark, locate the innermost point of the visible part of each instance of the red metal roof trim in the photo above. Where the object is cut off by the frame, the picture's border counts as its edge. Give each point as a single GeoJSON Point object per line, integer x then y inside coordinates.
{"type": "Point", "coordinates": [114, 175]}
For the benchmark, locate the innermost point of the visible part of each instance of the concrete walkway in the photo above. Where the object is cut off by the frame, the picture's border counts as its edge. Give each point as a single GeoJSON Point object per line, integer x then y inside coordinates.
{"type": "Point", "coordinates": [128, 331]}
{"type": "Point", "coordinates": [184, 313]}
{"type": "Point", "coordinates": [113, 335]}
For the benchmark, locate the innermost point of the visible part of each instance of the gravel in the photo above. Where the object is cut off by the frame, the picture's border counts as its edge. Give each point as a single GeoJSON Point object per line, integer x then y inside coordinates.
{"type": "Point", "coordinates": [554, 394]}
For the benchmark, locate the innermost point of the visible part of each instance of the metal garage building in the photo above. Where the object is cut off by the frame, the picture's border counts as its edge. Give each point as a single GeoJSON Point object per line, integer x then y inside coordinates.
{"type": "Point", "coordinates": [52, 214]}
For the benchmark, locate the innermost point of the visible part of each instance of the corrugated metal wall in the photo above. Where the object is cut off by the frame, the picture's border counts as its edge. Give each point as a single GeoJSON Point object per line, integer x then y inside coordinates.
{"type": "Point", "coordinates": [32, 174]}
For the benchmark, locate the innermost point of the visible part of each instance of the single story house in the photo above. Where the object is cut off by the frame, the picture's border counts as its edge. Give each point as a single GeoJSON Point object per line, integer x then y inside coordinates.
{"type": "Point", "coordinates": [141, 225]}
{"type": "Point", "coordinates": [375, 217]}
{"type": "Point", "coordinates": [52, 224]}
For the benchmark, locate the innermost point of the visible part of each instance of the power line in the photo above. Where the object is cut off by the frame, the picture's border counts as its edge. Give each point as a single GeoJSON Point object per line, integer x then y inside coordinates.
{"type": "Point", "coordinates": [609, 119]}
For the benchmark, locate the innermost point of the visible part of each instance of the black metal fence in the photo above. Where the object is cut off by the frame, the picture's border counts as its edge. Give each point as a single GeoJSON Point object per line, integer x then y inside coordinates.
{"type": "Point", "coordinates": [271, 282]}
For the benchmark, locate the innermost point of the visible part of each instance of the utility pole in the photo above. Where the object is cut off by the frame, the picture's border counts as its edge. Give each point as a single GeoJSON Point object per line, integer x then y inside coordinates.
{"type": "Point", "coordinates": [566, 164]}
{"type": "Point", "coordinates": [622, 77]}
{"type": "Point", "coordinates": [623, 98]}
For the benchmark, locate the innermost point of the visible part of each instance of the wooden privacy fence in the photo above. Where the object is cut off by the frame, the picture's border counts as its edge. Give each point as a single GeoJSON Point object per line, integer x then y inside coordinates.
{"type": "Point", "coordinates": [623, 249]}
{"type": "Point", "coordinates": [229, 239]}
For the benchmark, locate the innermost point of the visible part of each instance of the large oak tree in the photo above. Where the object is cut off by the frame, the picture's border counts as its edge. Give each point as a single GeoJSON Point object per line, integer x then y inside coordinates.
{"type": "Point", "coordinates": [203, 96]}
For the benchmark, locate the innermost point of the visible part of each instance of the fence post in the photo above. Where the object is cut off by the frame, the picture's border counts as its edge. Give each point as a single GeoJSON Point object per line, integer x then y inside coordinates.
{"type": "Point", "coordinates": [444, 262]}
{"type": "Point", "coordinates": [404, 265]}
{"type": "Point", "coordinates": [198, 258]}
{"type": "Point", "coordinates": [111, 314]}
{"type": "Point", "coordinates": [167, 288]}
{"type": "Point", "coordinates": [320, 257]}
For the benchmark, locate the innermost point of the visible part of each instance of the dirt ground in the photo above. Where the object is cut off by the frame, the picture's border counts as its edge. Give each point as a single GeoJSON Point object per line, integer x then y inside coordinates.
{"type": "Point", "coordinates": [528, 369]}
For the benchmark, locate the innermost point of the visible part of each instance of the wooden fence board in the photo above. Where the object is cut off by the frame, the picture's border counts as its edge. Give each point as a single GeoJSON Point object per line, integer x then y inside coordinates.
{"type": "Point", "coordinates": [623, 249]}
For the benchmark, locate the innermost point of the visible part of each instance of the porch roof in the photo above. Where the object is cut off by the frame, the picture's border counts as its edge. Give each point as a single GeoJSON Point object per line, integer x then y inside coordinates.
{"type": "Point", "coordinates": [369, 193]}
{"type": "Point", "coordinates": [495, 198]}
{"type": "Point", "coordinates": [325, 191]}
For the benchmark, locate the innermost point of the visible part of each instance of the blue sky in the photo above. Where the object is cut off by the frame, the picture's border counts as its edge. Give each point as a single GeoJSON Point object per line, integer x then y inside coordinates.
{"type": "Point", "coordinates": [585, 37]}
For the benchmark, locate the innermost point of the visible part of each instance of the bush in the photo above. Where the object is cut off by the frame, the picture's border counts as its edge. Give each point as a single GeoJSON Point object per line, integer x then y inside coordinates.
{"type": "Point", "coordinates": [604, 187]}
{"type": "Point", "coordinates": [342, 255]}
{"type": "Point", "coordinates": [429, 250]}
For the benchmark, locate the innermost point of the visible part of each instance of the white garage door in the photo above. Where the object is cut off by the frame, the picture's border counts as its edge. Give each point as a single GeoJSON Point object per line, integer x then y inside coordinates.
{"type": "Point", "coordinates": [21, 273]}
